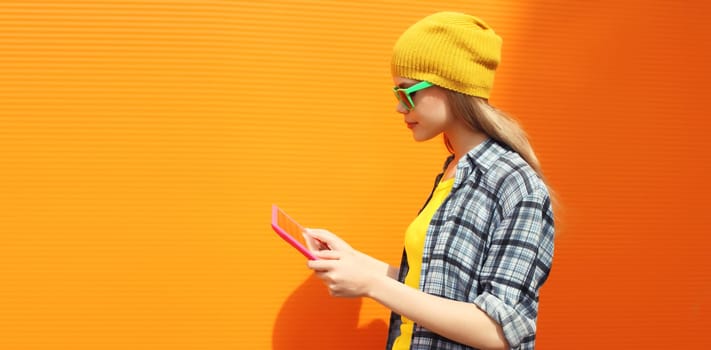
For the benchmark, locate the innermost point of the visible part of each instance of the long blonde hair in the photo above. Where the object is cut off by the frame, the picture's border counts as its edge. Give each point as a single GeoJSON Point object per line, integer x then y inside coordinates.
{"type": "Point", "coordinates": [480, 115]}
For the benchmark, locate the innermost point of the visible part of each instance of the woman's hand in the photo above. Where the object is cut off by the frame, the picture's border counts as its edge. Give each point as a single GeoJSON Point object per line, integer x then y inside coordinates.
{"type": "Point", "coordinates": [345, 271]}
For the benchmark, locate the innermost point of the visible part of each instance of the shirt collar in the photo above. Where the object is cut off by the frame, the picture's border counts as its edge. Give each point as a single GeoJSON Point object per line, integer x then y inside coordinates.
{"type": "Point", "coordinates": [482, 156]}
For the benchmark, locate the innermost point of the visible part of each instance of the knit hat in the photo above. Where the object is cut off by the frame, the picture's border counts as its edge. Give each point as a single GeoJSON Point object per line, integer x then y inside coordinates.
{"type": "Point", "coordinates": [449, 49]}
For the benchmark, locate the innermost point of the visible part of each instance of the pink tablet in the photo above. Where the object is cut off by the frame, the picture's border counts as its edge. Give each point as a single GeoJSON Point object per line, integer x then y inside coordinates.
{"type": "Point", "coordinates": [288, 229]}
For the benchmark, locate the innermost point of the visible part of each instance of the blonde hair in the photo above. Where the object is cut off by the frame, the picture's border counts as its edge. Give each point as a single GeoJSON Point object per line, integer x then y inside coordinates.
{"type": "Point", "coordinates": [480, 115]}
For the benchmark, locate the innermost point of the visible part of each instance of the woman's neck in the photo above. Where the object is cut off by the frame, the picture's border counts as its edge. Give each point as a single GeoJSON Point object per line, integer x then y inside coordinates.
{"type": "Point", "coordinates": [463, 140]}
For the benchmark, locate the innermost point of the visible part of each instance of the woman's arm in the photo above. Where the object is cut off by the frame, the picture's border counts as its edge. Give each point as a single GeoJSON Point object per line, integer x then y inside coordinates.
{"type": "Point", "coordinates": [460, 321]}
{"type": "Point", "coordinates": [393, 272]}
{"type": "Point", "coordinates": [350, 273]}
{"type": "Point", "coordinates": [315, 245]}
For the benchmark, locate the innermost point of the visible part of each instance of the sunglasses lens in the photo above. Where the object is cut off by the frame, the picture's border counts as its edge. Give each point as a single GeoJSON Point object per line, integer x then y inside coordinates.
{"type": "Point", "coordinates": [402, 96]}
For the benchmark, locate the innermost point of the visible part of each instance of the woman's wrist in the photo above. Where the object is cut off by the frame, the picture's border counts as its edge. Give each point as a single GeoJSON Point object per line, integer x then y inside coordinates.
{"type": "Point", "coordinates": [377, 285]}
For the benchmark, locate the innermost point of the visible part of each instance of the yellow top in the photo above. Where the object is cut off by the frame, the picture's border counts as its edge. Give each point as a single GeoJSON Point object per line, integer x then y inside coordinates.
{"type": "Point", "coordinates": [414, 246]}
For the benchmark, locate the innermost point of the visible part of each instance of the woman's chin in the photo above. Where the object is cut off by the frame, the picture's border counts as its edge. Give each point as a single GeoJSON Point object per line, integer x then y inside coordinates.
{"type": "Point", "coordinates": [421, 138]}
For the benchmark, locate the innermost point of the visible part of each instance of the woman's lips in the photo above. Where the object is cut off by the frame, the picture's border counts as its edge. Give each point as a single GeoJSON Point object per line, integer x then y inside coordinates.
{"type": "Point", "coordinates": [410, 125]}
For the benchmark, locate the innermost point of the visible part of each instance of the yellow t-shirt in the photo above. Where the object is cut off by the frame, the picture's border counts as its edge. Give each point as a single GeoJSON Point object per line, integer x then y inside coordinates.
{"type": "Point", "coordinates": [415, 245]}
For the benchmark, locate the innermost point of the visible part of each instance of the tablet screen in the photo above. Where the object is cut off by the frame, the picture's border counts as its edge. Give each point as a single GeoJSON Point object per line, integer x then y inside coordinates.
{"type": "Point", "coordinates": [290, 230]}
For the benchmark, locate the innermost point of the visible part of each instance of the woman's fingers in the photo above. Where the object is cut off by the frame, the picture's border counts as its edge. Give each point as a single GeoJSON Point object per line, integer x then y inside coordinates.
{"type": "Point", "coordinates": [328, 254]}
{"type": "Point", "coordinates": [325, 266]}
{"type": "Point", "coordinates": [331, 240]}
{"type": "Point", "coordinates": [311, 243]}
{"type": "Point", "coordinates": [326, 259]}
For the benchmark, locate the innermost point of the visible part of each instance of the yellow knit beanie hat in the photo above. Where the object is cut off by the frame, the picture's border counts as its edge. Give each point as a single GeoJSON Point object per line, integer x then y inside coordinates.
{"type": "Point", "coordinates": [449, 49]}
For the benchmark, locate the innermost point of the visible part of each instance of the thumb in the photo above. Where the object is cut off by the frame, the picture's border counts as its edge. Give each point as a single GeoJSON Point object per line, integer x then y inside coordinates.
{"type": "Point", "coordinates": [314, 244]}
{"type": "Point", "coordinates": [334, 242]}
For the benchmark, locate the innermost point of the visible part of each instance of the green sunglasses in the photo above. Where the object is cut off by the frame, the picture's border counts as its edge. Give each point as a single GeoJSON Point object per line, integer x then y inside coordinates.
{"type": "Point", "coordinates": [404, 94]}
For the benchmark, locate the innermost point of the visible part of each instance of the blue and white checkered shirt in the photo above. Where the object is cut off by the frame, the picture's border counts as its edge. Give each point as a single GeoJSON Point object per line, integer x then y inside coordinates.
{"type": "Point", "coordinates": [490, 243]}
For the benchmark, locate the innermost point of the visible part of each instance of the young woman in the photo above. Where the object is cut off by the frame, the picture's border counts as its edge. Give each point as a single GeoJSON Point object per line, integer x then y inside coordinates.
{"type": "Point", "coordinates": [478, 252]}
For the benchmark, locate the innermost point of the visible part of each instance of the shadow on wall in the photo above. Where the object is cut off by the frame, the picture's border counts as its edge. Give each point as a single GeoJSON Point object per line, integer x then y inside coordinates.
{"type": "Point", "coordinates": [311, 319]}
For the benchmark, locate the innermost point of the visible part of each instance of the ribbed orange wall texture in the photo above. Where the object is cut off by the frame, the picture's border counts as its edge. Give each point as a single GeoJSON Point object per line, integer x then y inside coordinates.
{"type": "Point", "coordinates": [142, 144]}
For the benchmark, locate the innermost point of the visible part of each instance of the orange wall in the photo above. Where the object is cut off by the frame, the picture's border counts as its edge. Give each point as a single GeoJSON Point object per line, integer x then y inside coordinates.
{"type": "Point", "coordinates": [142, 144]}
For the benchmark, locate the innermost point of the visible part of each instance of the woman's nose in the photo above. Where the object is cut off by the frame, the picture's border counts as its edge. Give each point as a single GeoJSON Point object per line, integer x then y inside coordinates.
{"type": "Point", "coordinates": [401, 108]}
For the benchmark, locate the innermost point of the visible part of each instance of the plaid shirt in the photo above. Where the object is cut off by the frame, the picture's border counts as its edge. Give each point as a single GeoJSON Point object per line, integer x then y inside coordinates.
{"type": "Point", "coordinates": [490, 243]}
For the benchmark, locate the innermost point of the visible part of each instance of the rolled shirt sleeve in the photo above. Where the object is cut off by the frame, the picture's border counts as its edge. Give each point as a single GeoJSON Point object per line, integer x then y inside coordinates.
{"type": "Point", "coordinates": [517, 264]}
